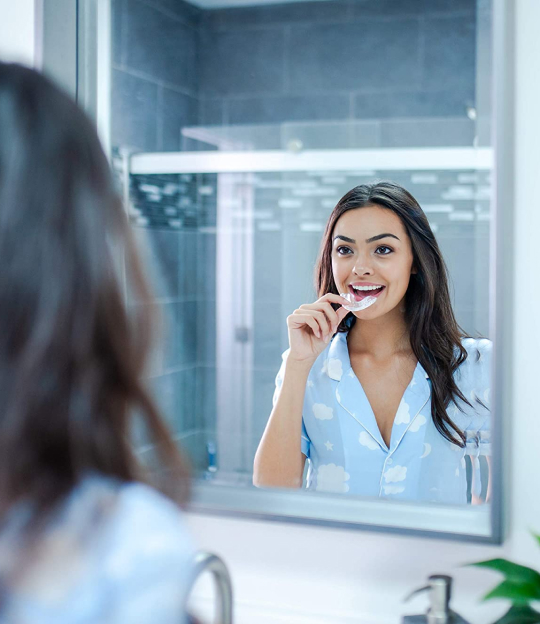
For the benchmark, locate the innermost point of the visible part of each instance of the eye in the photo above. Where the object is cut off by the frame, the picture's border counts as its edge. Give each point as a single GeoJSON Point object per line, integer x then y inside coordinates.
{"type": "Point", "coordinates": [343, 251]}
{"type": "Point", "coordinates": [383, 250]}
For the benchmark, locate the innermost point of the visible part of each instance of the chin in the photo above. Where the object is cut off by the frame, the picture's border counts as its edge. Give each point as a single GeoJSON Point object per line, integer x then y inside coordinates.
{"type": "Point", "coordinates": [374, 312]}
{"type": "Point", "coordinates": [368, 314]}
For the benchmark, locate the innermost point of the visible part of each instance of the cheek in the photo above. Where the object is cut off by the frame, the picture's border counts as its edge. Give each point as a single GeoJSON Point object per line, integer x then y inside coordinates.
{"type": "Point", "coordinates": [340, 270]}
{"type": "Point", "coordinates": [397, 274]}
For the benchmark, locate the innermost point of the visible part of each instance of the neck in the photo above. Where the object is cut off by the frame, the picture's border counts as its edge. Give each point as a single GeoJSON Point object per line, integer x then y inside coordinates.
{"type": "Point", "coordinates": [382, 337]}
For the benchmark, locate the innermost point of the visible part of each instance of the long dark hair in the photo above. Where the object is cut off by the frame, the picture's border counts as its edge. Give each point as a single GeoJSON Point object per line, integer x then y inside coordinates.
{"type": "Point", "coordinates": [434, 333]}
{"type": "Point", "coordinates": [71, 354]}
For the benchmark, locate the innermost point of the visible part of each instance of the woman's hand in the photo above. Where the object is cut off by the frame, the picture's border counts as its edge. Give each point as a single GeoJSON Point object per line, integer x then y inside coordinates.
{"type": "Point", "coordinates": [312, 326]}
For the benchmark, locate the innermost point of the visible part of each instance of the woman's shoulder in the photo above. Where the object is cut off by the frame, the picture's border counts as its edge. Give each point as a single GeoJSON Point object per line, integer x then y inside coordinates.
{"type": "Point", "coordinates": [474, 374]}
{"type": "Point", "coordinates": [134, 495]}
{"type": "Point", "coordinates": [146, 520]}
{"type": "Point", "coordinates": [477, 347]}
{"type": "Point", "coordinates": [138, 523]}
{"type": "Point", "coordinates": [479, 352]}
{"type": "Point", "coordinates": [113, 547]}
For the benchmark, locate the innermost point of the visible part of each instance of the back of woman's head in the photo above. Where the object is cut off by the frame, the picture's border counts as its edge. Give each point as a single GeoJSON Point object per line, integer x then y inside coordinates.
{"type": "Point", "coordinates": [71, 357]}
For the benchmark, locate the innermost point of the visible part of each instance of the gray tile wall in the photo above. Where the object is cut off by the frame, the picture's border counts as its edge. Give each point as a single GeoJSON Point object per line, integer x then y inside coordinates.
{"type": "Point", "coordinates": [342, 59]}
{"type": "Point", "coordinates": [155, 80]}
{"type": "Point", "coordinates": [155, 94]}
{"type": "Point", "coordinates": [179, 372]}
{"type": "Point", "coordinates": [176, 65]}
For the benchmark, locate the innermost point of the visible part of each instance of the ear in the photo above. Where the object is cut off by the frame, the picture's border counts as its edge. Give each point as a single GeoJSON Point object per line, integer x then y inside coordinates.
{"type": "Point", "coordinates": [414, 270]}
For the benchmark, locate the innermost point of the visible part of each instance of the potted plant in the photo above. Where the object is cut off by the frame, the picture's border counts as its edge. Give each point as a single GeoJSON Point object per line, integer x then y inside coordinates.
{"type": "Point", "coordinates": [521, 586]}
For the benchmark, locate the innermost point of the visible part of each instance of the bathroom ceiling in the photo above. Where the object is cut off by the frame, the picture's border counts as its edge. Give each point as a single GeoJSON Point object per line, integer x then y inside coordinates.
{"type": "Point", "coordinates": [222, 4]}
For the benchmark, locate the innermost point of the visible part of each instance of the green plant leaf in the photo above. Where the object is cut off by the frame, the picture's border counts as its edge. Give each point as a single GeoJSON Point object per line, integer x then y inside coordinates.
{"type": "Point", "coordinates": [521, 585]}
{"type": "Point", "coordinates": [537, 537]}
{"type": "Point", "coordinates": [512, 571]}
{"type": "Point", "coordinates": [520, 615]}
{"type": "Point", "coordinates": [518, 593]}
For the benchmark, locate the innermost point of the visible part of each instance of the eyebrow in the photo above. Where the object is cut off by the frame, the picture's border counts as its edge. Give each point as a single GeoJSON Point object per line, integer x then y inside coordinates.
{"type": "Point", "coordinates": [369, 240]}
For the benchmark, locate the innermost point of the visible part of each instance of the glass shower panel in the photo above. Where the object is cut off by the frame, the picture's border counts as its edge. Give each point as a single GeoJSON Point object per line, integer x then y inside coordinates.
{"type": "Point", "coordinates": [254, 239]}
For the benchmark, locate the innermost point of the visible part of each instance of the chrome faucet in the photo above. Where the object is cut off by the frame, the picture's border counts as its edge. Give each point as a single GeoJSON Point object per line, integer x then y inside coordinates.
{"type": "Point", "coordinates": [206, 561]}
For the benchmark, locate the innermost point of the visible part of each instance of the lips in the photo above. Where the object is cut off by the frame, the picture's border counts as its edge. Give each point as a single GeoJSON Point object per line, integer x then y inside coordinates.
{"type": "Point", "coordinates": [359, 295]}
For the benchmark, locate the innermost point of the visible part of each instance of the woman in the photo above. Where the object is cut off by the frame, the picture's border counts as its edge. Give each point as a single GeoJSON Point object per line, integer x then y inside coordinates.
{"type": "Point", "coordinates": [82, 539]}
{"type": "Point", "coordinates": [386, 400]}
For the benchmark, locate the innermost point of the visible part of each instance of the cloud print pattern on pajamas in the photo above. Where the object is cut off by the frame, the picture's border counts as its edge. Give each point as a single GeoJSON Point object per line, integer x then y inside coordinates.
{"type": "Point", "coordinates": [332, 478]}
{"type": "Point", "coordinates": [345, 449]}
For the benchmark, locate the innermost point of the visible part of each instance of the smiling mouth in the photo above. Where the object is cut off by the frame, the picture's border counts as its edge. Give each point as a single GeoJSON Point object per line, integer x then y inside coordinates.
{"type": "Point", "coordinates": [360, 293]}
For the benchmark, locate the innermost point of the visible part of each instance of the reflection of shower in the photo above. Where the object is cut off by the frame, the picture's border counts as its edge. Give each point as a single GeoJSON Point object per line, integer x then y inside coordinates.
{"type": "Point", "coordinates": [271, 206]}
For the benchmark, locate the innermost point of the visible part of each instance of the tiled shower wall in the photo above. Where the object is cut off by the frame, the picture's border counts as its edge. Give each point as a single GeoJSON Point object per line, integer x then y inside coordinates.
{"type": "Point", "coordinates": [155, 78]}
{"type": "Point", "coordinates": [182, 371]}
{"type": "Point", "coordinates": [155, 86]}
{"type": "Point", "coordinates": [175, 65]}
{"type": "Point", "coordinates": [339, 60]}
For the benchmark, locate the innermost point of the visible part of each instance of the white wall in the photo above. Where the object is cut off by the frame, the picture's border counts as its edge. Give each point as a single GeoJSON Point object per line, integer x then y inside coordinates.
{"type": "Point", "coordinates": [17, 31]}
{"type": "Point", "coordinates": [323, 575]}
{"type": "Point", "coordinates": [290, 573]}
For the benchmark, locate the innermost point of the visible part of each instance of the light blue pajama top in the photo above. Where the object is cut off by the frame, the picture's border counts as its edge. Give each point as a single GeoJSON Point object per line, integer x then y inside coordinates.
{"type": "Point", "coordinates": [347, 454]}
{"type": "Point", "coordinates": [116, 553]}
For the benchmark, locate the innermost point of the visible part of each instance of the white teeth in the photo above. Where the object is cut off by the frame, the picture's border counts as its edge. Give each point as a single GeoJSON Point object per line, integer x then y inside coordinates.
{"type": "Point", "coordinates": [366, 287]}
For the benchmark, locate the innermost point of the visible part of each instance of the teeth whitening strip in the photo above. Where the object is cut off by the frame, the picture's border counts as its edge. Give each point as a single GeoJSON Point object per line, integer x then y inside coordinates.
{"type": "Point", "coordinates": [356, 306]}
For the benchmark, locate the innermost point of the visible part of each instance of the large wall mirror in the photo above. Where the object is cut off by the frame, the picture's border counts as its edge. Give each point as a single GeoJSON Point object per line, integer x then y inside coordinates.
{"type": "Point", "coordinates": [236, 128]}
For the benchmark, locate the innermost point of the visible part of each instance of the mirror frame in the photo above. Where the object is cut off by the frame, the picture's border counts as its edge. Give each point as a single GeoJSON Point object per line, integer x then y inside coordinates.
{"type": "Point", "coordinates": [480, 524]}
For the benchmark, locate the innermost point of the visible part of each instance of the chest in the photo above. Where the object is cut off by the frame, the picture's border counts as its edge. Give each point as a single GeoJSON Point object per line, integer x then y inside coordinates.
{"type": "Point", "coordinates": [384, 385]}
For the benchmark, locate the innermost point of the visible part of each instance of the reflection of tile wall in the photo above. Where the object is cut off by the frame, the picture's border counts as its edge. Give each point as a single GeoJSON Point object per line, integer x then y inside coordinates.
{"type": "Point", "coordinates": [154, 95]}
{"type": "Point", "coordinates": [174, 218]}
{"type": "Point", "coordinates": [154, 81]}
{"type": "Point", "coordinates": [166, 201]}
{"type": "Point", "coordinates": [344, 59]}
{"type": "Point", "coordinates": [176, 65]}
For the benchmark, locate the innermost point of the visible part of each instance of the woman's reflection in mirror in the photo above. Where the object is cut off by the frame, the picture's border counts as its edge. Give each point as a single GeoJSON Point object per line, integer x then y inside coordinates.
{"type": "Point", "coordinates": [392, 400]}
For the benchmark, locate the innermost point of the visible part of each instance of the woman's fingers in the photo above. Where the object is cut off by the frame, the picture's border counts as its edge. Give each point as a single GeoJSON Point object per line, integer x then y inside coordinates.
{"type": "Point", "coordinates": [332, 317]}
{"type": "Point", "coordinates": [324, 323]}
{"type": "Point", "coordinates": [334, 299]}
{"type": "Point", "coordinates": [322, 305]}
{"type": "Point", "coordinates": [297, 320]}
{"type": "Point", "coordinates": [320, 316]}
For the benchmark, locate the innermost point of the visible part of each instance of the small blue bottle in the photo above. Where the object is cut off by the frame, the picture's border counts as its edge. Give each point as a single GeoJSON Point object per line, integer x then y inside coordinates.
{"type": "Point", "coordinates": [211, 467]}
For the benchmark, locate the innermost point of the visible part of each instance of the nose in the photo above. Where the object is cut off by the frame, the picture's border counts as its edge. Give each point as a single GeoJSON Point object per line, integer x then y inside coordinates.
{"type": "Point", "coordinates": [363, 266]}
